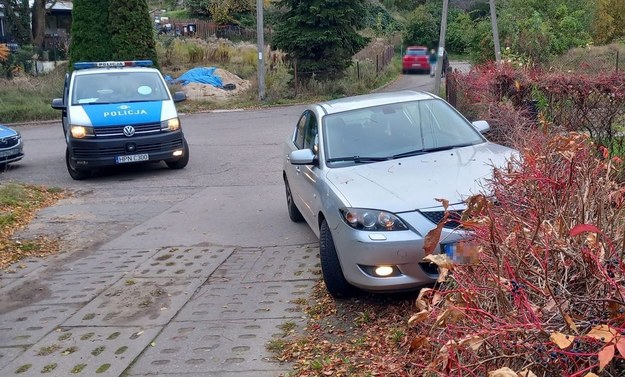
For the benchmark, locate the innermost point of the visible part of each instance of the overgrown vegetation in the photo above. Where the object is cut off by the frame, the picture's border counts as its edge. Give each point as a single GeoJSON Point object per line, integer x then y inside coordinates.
{"type": "Point", "coordinates": [18, 205]}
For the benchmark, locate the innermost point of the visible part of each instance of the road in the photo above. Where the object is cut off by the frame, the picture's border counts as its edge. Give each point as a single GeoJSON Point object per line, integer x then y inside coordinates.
{"type": "Point", "coordinates": [164, 272]}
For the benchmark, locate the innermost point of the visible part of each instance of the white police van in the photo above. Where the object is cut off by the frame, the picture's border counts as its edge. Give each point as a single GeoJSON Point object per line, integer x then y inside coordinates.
{"type": "Point", "coordinates": [119, 113]}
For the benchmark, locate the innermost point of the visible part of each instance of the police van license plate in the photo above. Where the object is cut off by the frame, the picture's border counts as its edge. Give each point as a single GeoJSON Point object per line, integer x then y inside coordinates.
{"type": "Point", "coordinates": [131, 158]}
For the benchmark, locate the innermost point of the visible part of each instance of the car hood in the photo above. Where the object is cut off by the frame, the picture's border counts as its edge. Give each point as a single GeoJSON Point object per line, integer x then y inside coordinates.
{"type": "Point", "coordinates": [415, 182]}
{"type": "Point", "coordinates": [6, 132]}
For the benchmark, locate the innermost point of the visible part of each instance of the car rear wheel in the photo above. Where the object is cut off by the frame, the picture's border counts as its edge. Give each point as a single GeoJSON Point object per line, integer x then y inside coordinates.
{"type": "Point", "coordinates": [333, 276]}
{"type": "Point", "coordinates": [183, 161]}
{"type": "Point", "coordinates": [74, 172]}
{"type": "Point", "coordinates": [294, 214]}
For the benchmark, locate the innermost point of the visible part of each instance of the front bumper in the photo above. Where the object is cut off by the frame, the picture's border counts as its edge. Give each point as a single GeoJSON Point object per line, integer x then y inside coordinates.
{"type": "Point", "coordinates": [94, 153]}
{"type": "Point", "coordinates": [403, 250]}
{"type": "Point", "coordinates": [12, 154]}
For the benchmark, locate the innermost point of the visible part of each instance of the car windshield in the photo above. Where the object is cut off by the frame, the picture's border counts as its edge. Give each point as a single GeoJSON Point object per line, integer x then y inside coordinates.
{"type": "Point", "coordinates": [395, 131]}
{"type": "Point", "coordinates": [116, 86]}
{"type": "Point", "coordinates": [416, 52]}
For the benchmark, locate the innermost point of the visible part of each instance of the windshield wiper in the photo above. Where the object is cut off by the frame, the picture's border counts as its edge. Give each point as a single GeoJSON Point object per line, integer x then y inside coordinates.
{"type": "Point", "coordinates": [359, 159]}
{"type": "Point", "coordinates": [428, 150]}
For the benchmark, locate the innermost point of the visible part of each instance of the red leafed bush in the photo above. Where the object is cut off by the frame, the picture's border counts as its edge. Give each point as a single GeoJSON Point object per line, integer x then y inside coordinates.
{"type": "Point", "coordinates": [544, 292]}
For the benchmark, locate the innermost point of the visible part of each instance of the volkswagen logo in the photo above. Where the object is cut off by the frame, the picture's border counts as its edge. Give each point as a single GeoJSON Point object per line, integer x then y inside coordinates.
{"type": "Point", "coordinates": [129, 131]}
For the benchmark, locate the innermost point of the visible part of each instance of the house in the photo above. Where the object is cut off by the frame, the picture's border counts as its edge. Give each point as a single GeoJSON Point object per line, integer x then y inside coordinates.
{"type": "Point", "coordinates": [58, 21]}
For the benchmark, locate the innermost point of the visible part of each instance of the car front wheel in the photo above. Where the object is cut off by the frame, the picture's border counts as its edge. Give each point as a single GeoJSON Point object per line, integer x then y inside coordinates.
{"type": "Point", "coordinates": [74, 172]}
{"type": "Point", "coordinates": [294, 214]}
{"type": "Point", "coordinates": [333, 276]}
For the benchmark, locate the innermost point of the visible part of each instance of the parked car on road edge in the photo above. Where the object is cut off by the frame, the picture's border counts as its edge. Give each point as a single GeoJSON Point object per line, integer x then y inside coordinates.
{"type": "Point", "coordinates": [365, 173]}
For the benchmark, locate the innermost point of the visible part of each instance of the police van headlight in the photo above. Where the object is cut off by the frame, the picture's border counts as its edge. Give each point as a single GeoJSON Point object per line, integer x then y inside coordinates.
{"type": "Point", "coordinates": [81, 132]}
{"type": "Point", "coordinates": [172, 124]}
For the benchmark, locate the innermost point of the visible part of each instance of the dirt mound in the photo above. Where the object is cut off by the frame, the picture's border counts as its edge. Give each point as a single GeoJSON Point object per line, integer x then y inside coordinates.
{"type": "Point", "coordinates": [204, 92]}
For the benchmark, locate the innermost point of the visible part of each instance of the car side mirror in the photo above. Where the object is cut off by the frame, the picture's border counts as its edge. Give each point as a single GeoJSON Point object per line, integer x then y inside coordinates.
{"type": "Point", "coordinates": [302, 157]}
{"type": "Point", "coordinates": [481, 125]}
{"type": "Point", "coordinates": [58, 104]}
{"type": "Point", "coordinates": [179, 96]}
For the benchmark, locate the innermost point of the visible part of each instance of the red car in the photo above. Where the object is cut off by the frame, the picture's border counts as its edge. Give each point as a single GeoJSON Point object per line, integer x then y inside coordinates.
{"type": "Point", "coordinates": [416, 59]}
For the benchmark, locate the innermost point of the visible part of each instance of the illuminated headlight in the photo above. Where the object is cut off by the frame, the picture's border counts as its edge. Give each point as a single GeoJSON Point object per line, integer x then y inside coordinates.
{"type": "Point", "coordinates": [172, 124]}
{"type": "Point", "coordinates": [372, 219]}
{"type": "Point", "coordinates": [81, 132]}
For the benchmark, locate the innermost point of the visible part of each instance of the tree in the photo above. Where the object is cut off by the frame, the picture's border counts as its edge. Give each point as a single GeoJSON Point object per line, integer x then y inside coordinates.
{"type": "Point", "coordinates": [320, 35]}
{"type": "Point", "coordinates": [17, 13]}
{"type": "Point", "coordinates": [91, 40]}
{"type": "Point", "coordinates": [131, 30]}
{"type": "Point", "coordinates": [422, 28]}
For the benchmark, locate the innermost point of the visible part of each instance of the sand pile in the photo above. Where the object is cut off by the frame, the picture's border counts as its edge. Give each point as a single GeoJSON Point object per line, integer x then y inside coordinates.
{"type": "Point", "coordinates": [206, 92]}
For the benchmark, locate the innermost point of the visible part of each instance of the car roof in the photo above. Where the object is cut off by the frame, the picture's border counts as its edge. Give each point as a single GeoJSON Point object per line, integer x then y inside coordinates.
{"type": "Point", "coordinates": [416, 48]}
{"type": "Point", "coordinates": [374, 99]}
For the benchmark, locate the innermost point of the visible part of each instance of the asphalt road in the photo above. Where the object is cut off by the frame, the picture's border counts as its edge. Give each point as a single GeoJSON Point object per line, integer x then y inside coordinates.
{"type": "Point", "coordinates": [163, 272]}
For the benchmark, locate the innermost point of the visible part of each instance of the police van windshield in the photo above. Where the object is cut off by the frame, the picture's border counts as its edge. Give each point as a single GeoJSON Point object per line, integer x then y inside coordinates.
{"type": "Point", "coordinates": [118, 87]}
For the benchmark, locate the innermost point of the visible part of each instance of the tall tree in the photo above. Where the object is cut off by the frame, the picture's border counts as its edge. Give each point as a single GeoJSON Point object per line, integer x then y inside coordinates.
{"type": "Point", "coordinates": [321, 35]}
{"type": "Point", "coordinates": [90, 40]}
{"type": "Point", "coordinates": [17, 13]}
{"type": "Point", "coordinates": [131, 30]}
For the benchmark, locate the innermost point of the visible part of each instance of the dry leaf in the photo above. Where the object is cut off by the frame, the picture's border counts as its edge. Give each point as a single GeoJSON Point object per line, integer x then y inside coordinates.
{"type": "Point", "coordinates": [442, 275]}
{"type": "Point", "coordinates": [433, 237]}
{"type": "Point", "coordinates": [561, 340]}
{"type": "Point", "coordinates": [502, 372]}
{"type": "Point", "coordinates": [571, 323]}
{"type": "Point", "coordinates": [473, 341]}
{"type": "Point", "coordinates": [441, 260]}
{"type": "Point", "coordinates": [526, 373]}
{"type": "Point", "coordinates": [603, 332]}
{"type": "Point", "coordinates": [620, 345]}
{"type": "Point", "coordinates": [450, 315]}
{"type": "Point", "coordinates": [605, 356]}
{"type": "Point", "coordinates": [418, 342]}
{"type": "Point", "coordinates": [419, 317]}
{"type": "Point", "coordinates": [445, 202]}
{"type": "Point", "coordinates": [422, 304]}
{"type": "Point", "coordinates": [591, 374]}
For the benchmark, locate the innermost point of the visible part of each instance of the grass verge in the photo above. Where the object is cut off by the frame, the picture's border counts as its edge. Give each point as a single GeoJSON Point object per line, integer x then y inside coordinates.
{"type": "Point", "coordinates": [360, 337]}
{"type": "Point", "coordinates": [19, 204]}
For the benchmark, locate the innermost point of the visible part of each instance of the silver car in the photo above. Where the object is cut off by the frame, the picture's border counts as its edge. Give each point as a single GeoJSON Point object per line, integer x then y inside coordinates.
{"type": "Point", "coordinates": [365, 173]}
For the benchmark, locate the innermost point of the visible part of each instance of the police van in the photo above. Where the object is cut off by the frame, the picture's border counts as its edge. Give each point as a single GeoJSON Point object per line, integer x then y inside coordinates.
{"type": "Point", "coordinates": [117, 113]}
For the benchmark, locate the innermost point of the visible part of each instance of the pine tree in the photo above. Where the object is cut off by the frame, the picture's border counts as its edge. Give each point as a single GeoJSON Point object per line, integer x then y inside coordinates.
{"type": "Point", "coordinates": [321, 35]}
{"type": "Point", "coordinates": [131, 30]}
{"type": "Point", "coordinates": [90, 35]}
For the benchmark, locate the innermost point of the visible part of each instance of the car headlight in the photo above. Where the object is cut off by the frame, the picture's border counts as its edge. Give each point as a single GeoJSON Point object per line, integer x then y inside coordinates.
{"type": "Point", "coordinates": [371, 219]}
{"type": "Point", "coordinates": [81, 132]}
{"type": "Point", "coordinates": [172, 124]}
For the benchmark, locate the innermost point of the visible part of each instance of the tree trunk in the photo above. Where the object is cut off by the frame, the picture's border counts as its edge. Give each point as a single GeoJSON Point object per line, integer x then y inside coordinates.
{"type": "Point", "coordinates": [38, 23]}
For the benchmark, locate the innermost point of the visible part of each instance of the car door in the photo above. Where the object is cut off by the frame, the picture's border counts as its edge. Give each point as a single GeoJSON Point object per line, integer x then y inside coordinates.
{"type": "Point", "coordinates": [66, 102]}
{"type": "Point", "coordinates": [304, 182]}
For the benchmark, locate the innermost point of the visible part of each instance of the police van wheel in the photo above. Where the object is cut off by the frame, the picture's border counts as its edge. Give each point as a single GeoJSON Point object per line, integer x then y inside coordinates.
{"type": "Point", "coordinates": [75, 173]}
{"type": "Point", "coordinates": [181, 162]}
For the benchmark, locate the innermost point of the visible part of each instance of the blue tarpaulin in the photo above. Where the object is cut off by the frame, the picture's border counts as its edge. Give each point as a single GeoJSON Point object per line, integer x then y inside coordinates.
{"type": "Point", "coordinates": [201, 75]}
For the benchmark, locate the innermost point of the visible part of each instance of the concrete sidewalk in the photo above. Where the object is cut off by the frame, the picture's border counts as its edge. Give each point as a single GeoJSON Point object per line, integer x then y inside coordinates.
{"type": "Point", "coordinates": [192, 310]}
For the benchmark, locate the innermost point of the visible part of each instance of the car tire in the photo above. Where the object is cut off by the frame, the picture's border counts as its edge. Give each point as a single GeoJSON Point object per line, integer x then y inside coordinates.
{"type": "Point", "coordinates": [294, 214]}
{"type": "Point", "coordinates": [74, 172]}
{"type": "Point", "coordinates": [331, 269]}
{"type": "Point", "coordinates": [183, 161]}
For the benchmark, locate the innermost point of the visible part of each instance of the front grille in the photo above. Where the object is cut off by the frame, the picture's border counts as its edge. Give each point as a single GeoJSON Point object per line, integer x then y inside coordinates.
{"type": "Point", "coordinates": [453, 221]}
{"type": "Point", "coordinates": [9, 142]}
{"type": "Point", "coordinates": [88, 153]}
{"type": "Point", "coordinates": [140, 129]}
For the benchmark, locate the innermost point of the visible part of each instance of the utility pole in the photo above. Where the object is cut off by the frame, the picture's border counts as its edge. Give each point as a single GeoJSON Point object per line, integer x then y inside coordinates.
{"type": "Point", "coordinates": [441, 50]}
{"type": "Point", "coordinates": [493, 20]}
{"type": "Point", "coordinates": [260, 38]}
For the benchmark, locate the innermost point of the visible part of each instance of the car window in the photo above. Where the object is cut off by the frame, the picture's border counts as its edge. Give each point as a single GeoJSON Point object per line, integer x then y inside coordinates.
{"type": "Point", "coordinates": [117, 86]}
{"type": "Point", "coordinates": [388, 130]}
{"type": "Point", "coordinates": [299, 133]}
{"type": "Point", "coordinates": [310, 138]}
{"type": "Point", "coordinates": [416, 52]}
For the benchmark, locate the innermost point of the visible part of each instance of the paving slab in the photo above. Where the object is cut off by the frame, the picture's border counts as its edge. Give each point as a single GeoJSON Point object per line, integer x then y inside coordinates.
{"type": "Point", "coordinates": [106, 260]}
{"type": "Point", "coordinates": [27, 325]}
{"type": "Point", "coordinates": [213, 348]}
{"type": "Point", "coordinates": [286, 263]}
{"type": "Point", "coordinates": [246, 301]}
{"type": "Point", "coordinates": [183, 262]}
{"type": "Point", "coordinates": [20, 269]}
{"type": "Point", "coordinates": [8, 354]}
{"type": "Point", "coordinates": [84, 351]}
{"type": "Point", "coordinates": [137, 302]}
